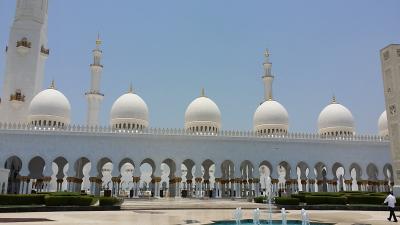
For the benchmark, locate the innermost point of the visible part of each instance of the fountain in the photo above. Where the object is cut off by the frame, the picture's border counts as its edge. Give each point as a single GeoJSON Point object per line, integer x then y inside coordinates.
{"type": "Point", "coordinates": [305, 220]}
{"type": "Point", "coordinates": [268, 182]}
{"type": "Point", "coordinates": [256, 216]}
{"type": "Point", "coordinates": [237, 215]}
{"type": "Point", "coordinates": [284, 221]}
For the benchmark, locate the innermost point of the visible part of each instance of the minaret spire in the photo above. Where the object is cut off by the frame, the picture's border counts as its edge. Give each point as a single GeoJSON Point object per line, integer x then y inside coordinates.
{"type": "Point", "coordinates": [268, 77]}
{"type": "Point", "coordinates": [202, 94]}
{"type": "Point", "coordinates": [94, 96]}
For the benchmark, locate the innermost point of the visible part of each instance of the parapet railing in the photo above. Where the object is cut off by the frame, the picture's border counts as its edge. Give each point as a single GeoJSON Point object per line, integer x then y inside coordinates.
{"type": "Point", "coordinates": [183, 132]}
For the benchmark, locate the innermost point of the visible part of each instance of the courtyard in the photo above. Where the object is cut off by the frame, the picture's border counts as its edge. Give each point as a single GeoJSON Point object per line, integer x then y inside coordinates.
{"type": "Point", "coordinates": [183, 211]}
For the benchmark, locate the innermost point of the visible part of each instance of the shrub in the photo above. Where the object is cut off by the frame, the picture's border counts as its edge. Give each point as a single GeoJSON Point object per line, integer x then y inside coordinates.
{"type": "Point", "coordinates": [109, 201]}
{"type": "Point", "coordinates": [260, 199]}
{"type": "Point", "coordinates": [301, 197]}
{"type": "Point", "coordinates": [31, 199]}
{"type": "Point", "coordinates": [287, 201]}
{"type": "Point", "coordinates": [69, 200]}
{"type": "Point", "coordinates": [64, 194]}
{"type": "Point", "coordinates": [318, 200]}
{"type": "Point", "coordinates": [365, 199]}
{"type": "Point", "coordinates": [329, 194]}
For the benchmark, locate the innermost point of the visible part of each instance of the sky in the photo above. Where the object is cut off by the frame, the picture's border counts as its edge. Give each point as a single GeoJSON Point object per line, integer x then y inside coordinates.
{"type": "Point", "coordinates": [169, 50]}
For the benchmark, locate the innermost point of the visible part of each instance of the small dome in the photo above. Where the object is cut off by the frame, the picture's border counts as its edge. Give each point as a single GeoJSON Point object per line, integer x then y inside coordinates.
{"type": "Point", "coordinates": [383, 124]}
{"type": "Point", "coordinates": [336, 120]}
{"type": "Point", "coordinates": [202, 115]}
{"type": "Point", "coordinates": [49, 108]}
{"type": "Point", "coordinates": [129, 111]}
{"type": "Point", "coordinates": [271, 118]}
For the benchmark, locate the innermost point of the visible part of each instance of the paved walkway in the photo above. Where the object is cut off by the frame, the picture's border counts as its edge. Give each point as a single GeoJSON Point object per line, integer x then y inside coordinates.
{"type": "Point", "coordinates": [183, 203]}
{"type": "Point", "coordinates": [135, 214]}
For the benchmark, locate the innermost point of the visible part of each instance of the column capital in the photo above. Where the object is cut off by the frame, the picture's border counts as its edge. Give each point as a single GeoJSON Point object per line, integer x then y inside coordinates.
{"type": "Point", "coordinates": [136, 179]}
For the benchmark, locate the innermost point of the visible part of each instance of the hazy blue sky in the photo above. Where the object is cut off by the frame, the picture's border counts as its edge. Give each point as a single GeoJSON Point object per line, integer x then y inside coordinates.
{"type": "Point", "coordinates": [171, 49]}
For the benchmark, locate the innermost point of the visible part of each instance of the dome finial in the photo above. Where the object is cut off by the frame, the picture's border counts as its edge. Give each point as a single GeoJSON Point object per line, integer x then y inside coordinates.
{"type": "Point", "coordinates": [334, 99]}
{"type": "Point", "coordinates": [130, 88]}
{"type": "Point", "coordinates": [202, 94]}
{"type": "Point", "coordinates": [52, 85]}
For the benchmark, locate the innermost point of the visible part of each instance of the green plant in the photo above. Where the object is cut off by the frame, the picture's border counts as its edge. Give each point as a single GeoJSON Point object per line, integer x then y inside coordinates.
{"type": "Point", "coordinates": [319, 200]}
{"type": "Point", "coordinates": [287, 201]}
{"type": "Point", "coordinates": [109, 201]}
{"type": "Point", "coordinates": [69, 200]}
{"type": "Point", "coordinates": [365, 199]}
{"type": "Point", "coordinates": [300, 196]}
{"type": "Point", "coordinates": [260, 199]}
{"type": "Point", "coordinates": [31, 199]}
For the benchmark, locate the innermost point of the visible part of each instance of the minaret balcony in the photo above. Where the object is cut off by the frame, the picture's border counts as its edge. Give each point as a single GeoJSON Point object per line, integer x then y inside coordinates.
{"type": "Point", "coordinates": [17, 99]}
{"type": "Point", "coordinates": [94, 93]}
{"type": "Point", "coordinates": [44, 51]}
{"type": "Point", "coordinates": [96, 65]}
{"type": "Point", "coordinates": [23, 46]}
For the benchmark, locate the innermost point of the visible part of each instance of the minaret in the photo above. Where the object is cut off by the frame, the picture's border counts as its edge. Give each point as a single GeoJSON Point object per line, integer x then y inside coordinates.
{"type": "Point", "coordinates": [93, 96]}
{"type": "Point", "coordinates": [267, 78]}
{"type": "Point", "coordinates": [26, 53]}
{"type": "Point", "coordinates": [390, 65]}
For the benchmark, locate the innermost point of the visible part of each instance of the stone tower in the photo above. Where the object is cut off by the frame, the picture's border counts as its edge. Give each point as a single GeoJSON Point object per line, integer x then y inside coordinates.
{"type": "Point", "coordinates": [390, 60]}
{"type": "Point", "coordinates": [26, 54]}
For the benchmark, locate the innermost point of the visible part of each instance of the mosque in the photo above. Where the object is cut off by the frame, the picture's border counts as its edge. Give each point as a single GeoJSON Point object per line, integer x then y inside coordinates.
{"type": "Point", "coordinates": [43, 150]}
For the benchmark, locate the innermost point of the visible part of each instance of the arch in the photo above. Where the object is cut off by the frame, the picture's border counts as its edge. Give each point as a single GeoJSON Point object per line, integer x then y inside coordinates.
{"type": "Point", "coordinates": [372, 172]}
{"type": "Point", "coordinates": [172, 167]}
{"type": "Point", "coordinates": [338, 171]}
{"type": "Point", "coordinates": [303, 167]}
{"type": "Point", "coordinates": [227, 170]}
{"type": "Point", "coordinates": [151, 163]}
{"type": "Point", "coordinates": [388, 172]}
{"type": "Point", "coordinates": [36, 166]}
{"type": "Point", "coordinates": [78, 166]}
{"type": "Point", "coordinates": [268, 165]}
{"type": "Point", "coordinates": [61, 162]}
{"type": "Point", "coordinates": [207, 165]}
{"type": "Point", "coordinates": [189, 164]}
{"type": "Point", "coordinates": [246, 170]}
{"type": "Point", "coordinates": [357, 169]}
{"type": "Point", "coordinates": [287, 168]}
{"type": "Point", "coordinates": [14, 164]}
{"type": "Point", "coordinates": [125, 161]}
{"type": "Point", "coordinates": [355, 173]}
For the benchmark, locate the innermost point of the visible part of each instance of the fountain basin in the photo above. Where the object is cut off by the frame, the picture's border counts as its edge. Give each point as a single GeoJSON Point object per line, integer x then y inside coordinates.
{"type": "Point", "coordinates": [264, 222]}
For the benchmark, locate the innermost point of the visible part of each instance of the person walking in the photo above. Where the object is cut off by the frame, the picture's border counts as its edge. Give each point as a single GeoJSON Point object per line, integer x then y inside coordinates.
{"type": "Point", "coordinates": [391, 201]}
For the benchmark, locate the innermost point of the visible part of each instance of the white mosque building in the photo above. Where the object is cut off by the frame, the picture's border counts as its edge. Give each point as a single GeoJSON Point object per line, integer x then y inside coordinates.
{"type": "Point", "coordinates": [45, 151]}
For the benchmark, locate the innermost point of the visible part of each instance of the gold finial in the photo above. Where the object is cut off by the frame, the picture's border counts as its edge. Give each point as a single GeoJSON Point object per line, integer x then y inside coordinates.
{"type": "Point", "coordinates": [98, 40]}
{"type": "Point", "coordinates": [333, 99]}
{"type": "Point", "coordinates": [130, 88]}
{"type": "Point", "coordinates": [266, 53]}
{"type": "Point", "coordinates": [52, 85]}
{"type": "Point", "coordinates": [202, 93]}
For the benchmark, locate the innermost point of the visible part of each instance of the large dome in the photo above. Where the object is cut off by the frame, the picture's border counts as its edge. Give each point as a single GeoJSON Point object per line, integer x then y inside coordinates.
{"type": "Point", "coordinates": [202, 115]}
{"type": "Point", "coordinates": [383, 124]}
{"type": "Point", "coordinates": [271, 118]}
{"type": "Point", "coordinates": [49, 108]}
{"type": "Point", "coordinates": [129, 111]}
{"type": "Point", "coordinates": [336, 120]}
